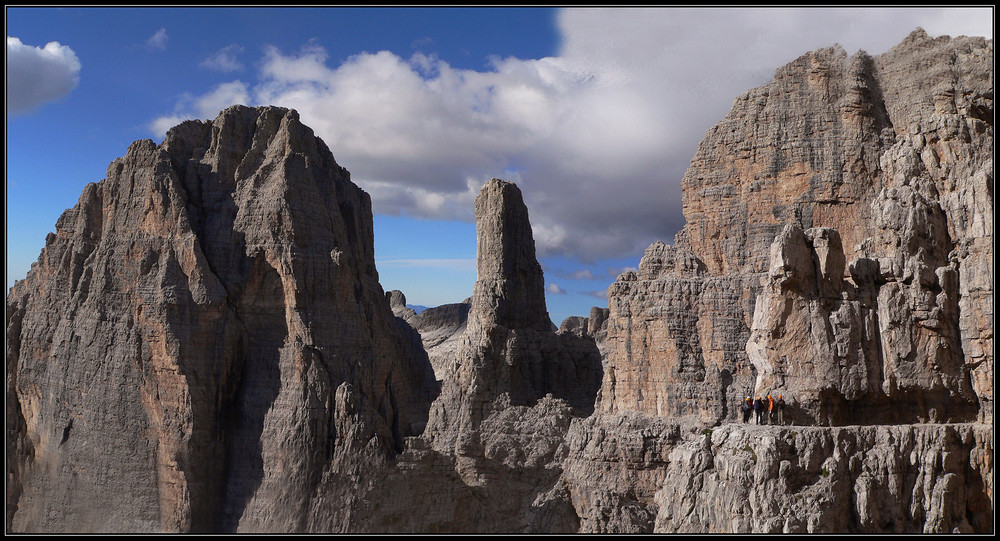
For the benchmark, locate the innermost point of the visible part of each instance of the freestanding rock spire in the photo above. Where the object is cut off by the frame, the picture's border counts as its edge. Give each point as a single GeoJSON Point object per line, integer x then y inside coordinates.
{"type": "Point", "coordinates": [509, 351]}
{"type": "Point", "coordinates": [510, 281]}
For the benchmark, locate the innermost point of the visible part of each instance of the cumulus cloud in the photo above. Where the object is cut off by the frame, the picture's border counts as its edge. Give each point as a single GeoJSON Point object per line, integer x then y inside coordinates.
{"type": "Point", "coordinates": [159, 126]}
{"type": "Point", "coordinates": [36, 75]}
{"type": "Point", "coordinates": [205, 106]}
{"type": "Point", "coordinates": [224, 60]}
{"type": "Point", "coordinates": [224, 95]}
{"type": "Point", "coordinates": [597, 136]}
{"type": "Point", "coordinates": [599, 294]}
{"type": "Point", "coordinates": [158, 40]}
{"type": "Point", "coordinates": [555, 289]}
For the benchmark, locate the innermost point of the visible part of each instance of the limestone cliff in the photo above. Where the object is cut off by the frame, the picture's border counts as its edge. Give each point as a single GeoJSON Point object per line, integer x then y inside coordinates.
{"type": "Point", "coordinates": [676, 339]}
{"type": "Point", "coordinates": [839, 226]}
{"type": "Point", "coordinates": [855, 479]}
{"type": "Point", "coordinates": [490, 457]}
{"type": "Point", "coordinates": [595, 326]}
{"type": "Point", "coordinates": [203, 343]}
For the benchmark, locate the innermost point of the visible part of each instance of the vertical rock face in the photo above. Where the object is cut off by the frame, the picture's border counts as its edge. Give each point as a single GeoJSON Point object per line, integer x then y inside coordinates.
{"type": "Point", "coordinates": [508, 394]}
{"type": "Point", "coordinates": [935, 211]}
{"type": "Point", "coordinates": [490, 458]}
{"type": "Point", "coordinates": [510, 286]}
{"type": "Point", "coordinates": [593, 328]}
{"type": "Point", "coordinates": [204, 338]}
{"type": "Point", "coordinates": [597, 322]}
{"type": "Point", "coordinates": [676, 339]}
{"type": "Point", "coordinates": [842, 211]}
{"type": "Point", "coordinates": [812, 310]}
{"type": "Point", "coordinates": [803, 149]}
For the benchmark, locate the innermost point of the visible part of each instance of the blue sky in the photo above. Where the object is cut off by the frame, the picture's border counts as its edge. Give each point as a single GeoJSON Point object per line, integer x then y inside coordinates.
{"type": "Point", "coordinates": [594, 113]}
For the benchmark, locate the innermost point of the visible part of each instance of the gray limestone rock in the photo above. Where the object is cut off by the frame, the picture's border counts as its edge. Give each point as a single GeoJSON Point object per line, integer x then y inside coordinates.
{"type": "Point", "coordinates": [845, 203]}
{"type": "Point", "coordinates": [204, 337]}
{"type": "Point", "coordinates": [441, 329]}
{"type": "Point", "coordinates": [885, 479]}
{"type": "Point", "coordinates": [676, 338]}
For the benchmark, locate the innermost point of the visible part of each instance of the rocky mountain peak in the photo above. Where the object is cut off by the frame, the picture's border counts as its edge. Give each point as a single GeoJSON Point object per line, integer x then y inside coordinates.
{"type": "Point", "coordinates": [835, 248]}
{"type": "Point", "coordinates": [219, 294]}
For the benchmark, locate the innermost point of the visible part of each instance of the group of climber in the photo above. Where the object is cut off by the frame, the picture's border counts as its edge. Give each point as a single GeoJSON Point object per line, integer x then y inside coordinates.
{"type": "Point", "coordinates": [765, 411]}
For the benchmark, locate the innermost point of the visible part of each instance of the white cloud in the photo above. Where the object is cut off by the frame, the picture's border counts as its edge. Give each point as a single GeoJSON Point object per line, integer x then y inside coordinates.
{"type": "Point", "coordinates": [555, 289]}
{"type": "Point", "coordinates": [597, 137]}
{"type": "Point", "coordinates": [159, 126]}
{"type": "Point", "coordinates": [158, 40]}
{"type": "Point", "coordinates": [224, 60]}
{"type": "Point", "coordinates": [599, 294]}
{"type": "Point", "coordinates": [224, 95]}
{"type": "Point", "coordinates": [36, 75]}
{"type": "Point", "coordinates": [203, 107]}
